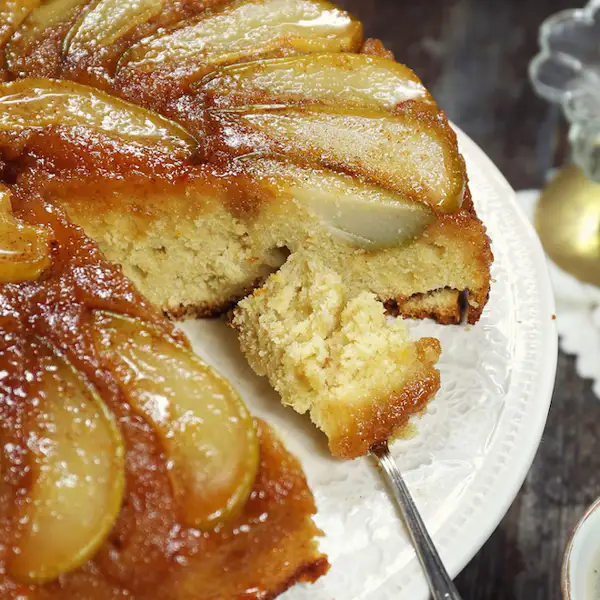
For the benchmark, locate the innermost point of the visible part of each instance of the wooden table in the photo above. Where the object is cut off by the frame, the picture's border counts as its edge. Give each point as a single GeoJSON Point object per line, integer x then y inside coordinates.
{"type": "Point", "coordinates": [473, 56]}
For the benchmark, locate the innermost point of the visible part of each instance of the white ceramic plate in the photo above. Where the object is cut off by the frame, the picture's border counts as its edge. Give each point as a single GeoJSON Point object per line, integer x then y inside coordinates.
{"type": "Point", "coordinates": [474, 445]}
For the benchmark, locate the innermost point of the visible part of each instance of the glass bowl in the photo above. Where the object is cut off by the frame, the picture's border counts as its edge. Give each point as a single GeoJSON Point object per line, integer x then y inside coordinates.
{"type": "Point", "coordinates": [567, 72]}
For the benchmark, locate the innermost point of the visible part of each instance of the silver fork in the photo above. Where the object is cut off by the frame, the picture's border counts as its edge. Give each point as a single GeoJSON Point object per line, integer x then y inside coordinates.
{"type": "Point", "coordinates": [439, 581]}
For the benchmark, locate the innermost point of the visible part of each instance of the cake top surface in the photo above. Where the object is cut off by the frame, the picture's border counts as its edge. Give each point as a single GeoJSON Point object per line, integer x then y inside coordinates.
{"type": "Point", "coordinates": [173, 90]}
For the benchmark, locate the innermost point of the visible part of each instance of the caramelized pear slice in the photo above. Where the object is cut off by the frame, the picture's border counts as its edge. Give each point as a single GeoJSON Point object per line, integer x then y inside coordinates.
{"type": "Point", "coordinates": [24, 249]}
{"type": "Point", "coordinates": [413, 152]}
{"type": "Point", "coordinates": [360, 214]}
{"type": "Point", "coordinates": [12, 14]}
{"type": "Point", "coordinates": [106, 21]}
{"type": "Point", "coordinates": [36, 26]}
{"type": "Point", "coordinates": [206, 431]}
{"type": "Point", "coordinates": [36, 103]}
{"type": "Point", "coordinates": [247, 28]}
{"type": "Point", "coordinates": [342, 79]}
{"type": "Point", "coordinates": [77, 476]}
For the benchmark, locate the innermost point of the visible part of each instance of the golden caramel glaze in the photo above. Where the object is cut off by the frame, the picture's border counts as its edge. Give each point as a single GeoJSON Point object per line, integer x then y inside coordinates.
{"type": "Point", "coordinates": [35, 46]}
{"type": "Point", "coordinates": [65, 154]}
{"type": "Point", "coordinates": [159, 69]}
{"type": "Point", "coordinates": [264, 130]}
{"type": "Point", "coordinates": [12, 14]}
{"type": "Point", "coordinates": [340, 79]}
{"type": "Point", "coordinates": [149, 554]}
{"type": "Point", "coordinates": [50, 53]}
{"type": "Point", "coordinates": [374, 47]}
{"type": "Point", "coordinates": [97, 66]}
{"type": "Point", "coordinates": [376, 422]}
{"type": "Point", "coordinates": [90, 161]}
{"type": "Point", "coordinates": [45, 55]}
{"type": "Point", "coordinates": [165, 88]}
{"type": "Point", "coordinates": [23, 248]}
{"type": "Point", "coordinates": [35, 104]}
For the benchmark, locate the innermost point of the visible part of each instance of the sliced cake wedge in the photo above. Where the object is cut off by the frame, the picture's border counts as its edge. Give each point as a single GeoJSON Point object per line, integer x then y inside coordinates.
{"type": "Point", "coordinates": [335, 355]}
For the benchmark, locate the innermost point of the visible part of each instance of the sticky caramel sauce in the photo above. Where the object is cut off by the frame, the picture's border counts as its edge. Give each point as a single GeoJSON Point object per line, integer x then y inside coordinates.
{"type": "Point", "coordinates": [78, 165]}
{"type": "Point", "coordinates": [97, 66]}
{"type": "Point", "coordinates": [149, 554]}
{"type": "Point", "coordinates": [44, 56]}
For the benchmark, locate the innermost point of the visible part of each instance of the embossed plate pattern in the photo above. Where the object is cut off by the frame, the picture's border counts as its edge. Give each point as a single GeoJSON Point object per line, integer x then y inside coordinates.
{"type": "Point", "coordinates": [473, 447]}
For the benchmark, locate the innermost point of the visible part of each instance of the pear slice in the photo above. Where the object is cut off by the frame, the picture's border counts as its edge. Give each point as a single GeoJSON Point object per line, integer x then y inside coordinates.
{"type": "Point", "coordinates": [341, 79]}
{"type": "Point", "coordinates": [361, 215]}
{"type": "Point", "coordinates": [106, 21]}
{"type": "Point", "coordinates": [413, 152]}
{"type": "Point", "coordinates": [12, 14]}
{"type": "Point", "coordinates": [247, 28]}
{"type": "Point", "coordinates": [77, 476]}
{"type": "Point", "coordinates": [24, 249]}
{"type": "Point", "coordinates": [34, 29]}
{"type": "Point", "coordinates": [37, 103]}
{"type": "Point", "coordinates": [206, 431]}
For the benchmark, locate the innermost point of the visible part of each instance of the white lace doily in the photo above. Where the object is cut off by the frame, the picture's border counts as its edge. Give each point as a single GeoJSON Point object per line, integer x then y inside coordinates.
{"type": "Point", "coordinates": [577, 310]}
{"type": "Point", "coordinates": [474, 445]}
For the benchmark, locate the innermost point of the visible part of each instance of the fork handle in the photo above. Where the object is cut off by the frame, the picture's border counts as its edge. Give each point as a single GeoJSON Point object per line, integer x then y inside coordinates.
{"type": "Point", "coordinates": [439, 581]}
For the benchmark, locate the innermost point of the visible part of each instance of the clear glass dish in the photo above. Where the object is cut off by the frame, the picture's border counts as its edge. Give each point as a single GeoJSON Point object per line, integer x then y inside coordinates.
{"type": "Point", "coordinates": [567, 72]}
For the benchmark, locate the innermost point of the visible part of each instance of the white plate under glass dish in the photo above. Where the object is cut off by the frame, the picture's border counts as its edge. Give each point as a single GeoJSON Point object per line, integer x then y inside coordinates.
{"type": "Point", "coordinates": [472, 448]}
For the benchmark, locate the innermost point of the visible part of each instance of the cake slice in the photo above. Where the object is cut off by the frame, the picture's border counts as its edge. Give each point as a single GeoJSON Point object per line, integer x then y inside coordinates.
{"type": "Point", "coordinates": [334, 355]}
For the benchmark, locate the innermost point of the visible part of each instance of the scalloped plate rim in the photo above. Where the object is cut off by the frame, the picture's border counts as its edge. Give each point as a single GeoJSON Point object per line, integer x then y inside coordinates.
{"type": "Point", "coordinates": [508, 455]}
{"type": "Point", "coordinates": [479, 531]}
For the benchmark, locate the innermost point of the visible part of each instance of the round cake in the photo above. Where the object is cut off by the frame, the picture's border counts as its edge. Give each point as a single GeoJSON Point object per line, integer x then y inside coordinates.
{"type": "Point", "coordinates": [162, 159]}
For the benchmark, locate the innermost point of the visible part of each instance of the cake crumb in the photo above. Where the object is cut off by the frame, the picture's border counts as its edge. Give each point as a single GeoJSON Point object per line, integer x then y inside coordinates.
{"type": "Point", "coordinates": [334, 355]}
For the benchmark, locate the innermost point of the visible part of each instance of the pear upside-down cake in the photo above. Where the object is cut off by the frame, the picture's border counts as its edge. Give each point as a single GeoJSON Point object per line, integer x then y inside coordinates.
{"type": "Point", "coordinates": [211, 149]}
{"type": "Point", "coordinates": [129, 468]}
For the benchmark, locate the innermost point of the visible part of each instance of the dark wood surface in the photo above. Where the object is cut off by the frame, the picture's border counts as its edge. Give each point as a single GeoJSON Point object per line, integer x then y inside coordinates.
{"type": "Point", "coordinates": [473, 56]}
